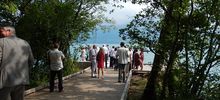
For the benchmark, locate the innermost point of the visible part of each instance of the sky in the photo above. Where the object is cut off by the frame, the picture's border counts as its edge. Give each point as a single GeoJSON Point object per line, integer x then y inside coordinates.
{"type": "Point", "coordinates": [121, 17]}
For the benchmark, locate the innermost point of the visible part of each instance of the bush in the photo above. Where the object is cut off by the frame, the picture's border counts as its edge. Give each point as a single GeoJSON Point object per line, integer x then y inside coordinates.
{"type": "Point", "coordinates": [39, 75]}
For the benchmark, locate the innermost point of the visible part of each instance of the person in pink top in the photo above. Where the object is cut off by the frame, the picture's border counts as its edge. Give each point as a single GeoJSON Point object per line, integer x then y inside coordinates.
{"type": "Point", "coordinates": [100, 61]}
{"type": "Point", "coordinates": [142, 58]}
{"type": "Point", "coordinates": [136, 59]}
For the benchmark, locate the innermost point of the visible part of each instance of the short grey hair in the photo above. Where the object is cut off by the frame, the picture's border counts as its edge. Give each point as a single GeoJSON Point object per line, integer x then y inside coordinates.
{"type": "Point", "coordinates": [11, 28]}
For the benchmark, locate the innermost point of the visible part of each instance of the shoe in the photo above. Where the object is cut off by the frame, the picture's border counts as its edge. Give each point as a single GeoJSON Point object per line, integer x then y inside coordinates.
{"type": "Point", "coordinates": [61, 90]}
{"type": "Point", "coordinates": [93, 76]}
{"type": "Point", "coordinates": [51, 90]}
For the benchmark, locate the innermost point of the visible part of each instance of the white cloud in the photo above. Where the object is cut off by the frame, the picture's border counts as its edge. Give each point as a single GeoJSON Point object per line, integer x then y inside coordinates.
{"type": "Point", "coordinates": [123, 16]}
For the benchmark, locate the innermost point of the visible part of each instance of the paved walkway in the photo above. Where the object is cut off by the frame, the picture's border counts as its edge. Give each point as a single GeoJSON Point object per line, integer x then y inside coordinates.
{"type": "Point", "coordinates": [83, 87]}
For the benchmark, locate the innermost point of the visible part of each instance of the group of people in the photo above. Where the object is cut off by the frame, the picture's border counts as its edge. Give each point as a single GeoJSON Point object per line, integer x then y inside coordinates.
{"type": "Point", "coordinates": [16, 59]}
{"type": "Point", "coordinates": [122, 59]}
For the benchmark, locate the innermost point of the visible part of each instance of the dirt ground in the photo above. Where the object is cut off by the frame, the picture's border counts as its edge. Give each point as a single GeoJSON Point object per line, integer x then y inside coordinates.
{"type": "Point", "coordinates": [137, 86]}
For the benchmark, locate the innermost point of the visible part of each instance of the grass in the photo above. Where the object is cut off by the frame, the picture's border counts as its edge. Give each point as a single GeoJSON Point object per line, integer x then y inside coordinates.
{"type": "Point", "coordinates": [137, 86]}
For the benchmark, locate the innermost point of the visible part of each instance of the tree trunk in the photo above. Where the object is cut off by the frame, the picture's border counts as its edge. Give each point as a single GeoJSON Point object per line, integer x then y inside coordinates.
{"type": "Point", "coordinates": [150, 89]}
{"type": "Point", "coordinates": [149, 92]}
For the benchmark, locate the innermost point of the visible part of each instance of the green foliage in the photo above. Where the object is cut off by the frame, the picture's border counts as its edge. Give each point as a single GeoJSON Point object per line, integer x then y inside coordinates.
{"type": "Point", "coordinates": [70, 67]}
{"type": "Point", "coordinates": [42, 22]}
{"type": "Point", "coordinates": [39, 75]}
{"type": "Point", "coordinates": [184, 35]}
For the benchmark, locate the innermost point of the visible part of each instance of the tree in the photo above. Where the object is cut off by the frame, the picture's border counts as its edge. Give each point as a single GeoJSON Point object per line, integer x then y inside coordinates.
{"type": "Point", "coordinates": [180, 25]}
{"type": "Point", "coordinates": [41, 22]}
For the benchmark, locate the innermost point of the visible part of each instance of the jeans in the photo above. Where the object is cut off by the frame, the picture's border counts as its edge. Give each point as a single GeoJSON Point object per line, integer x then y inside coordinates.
{"type": "Point", "coordinates": [60, 80]}
{"type": "Point", "coordinates": [106, 60]}
{"type": "Point", "coordinates": [12, 93]}
{"type": "Point", "coordinates": [93, 68]}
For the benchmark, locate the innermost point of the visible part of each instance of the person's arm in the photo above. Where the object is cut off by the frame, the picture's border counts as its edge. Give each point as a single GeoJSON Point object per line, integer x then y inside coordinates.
{"type": "Point", "coordinates": [62, 55]}
{"type": "Point", "coordinates": [1, 51]}
{"type": "Point", "coordinates": [117, 54]}
{"type": "Point", "coordinates": [30, 58]}
{"type": "Point", "coordinates": [1, 56]}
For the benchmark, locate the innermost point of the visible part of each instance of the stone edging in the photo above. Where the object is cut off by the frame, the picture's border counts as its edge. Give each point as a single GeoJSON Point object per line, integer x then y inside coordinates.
{"type": "Point", "coordinates": [32, 90]}
{"type": "Point", "coordinates": [127, 85]}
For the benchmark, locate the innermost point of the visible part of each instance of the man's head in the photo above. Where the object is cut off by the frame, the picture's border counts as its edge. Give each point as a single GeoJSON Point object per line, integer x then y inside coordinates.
{"type": "Point", "coordinates": [7, 31]}
{"type": "Point", "coordinates": [56, 45]}
{"type": "Point", "coordinates": [122, 44]}
{"type": "Point", "coordinates": [94, 47]}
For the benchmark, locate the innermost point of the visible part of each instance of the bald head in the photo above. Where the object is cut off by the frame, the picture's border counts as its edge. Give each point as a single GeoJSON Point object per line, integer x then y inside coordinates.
{"type": "Point", "coordinates": [7, 31]}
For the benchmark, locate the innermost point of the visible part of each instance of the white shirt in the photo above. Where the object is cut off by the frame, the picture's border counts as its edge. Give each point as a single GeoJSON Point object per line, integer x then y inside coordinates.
{"type": "Point", "coordinates": [111, 52]}
{"type": "Point", "coordinates": [55, 57]}
{"type": "Point", "coordinates": [105, 49]}
{"type": "Point", "coordinates": [122, 54]}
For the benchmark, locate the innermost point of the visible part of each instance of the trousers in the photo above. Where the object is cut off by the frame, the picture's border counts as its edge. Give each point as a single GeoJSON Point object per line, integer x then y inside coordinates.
{"type": "Point", "coordinates": [12, 93]}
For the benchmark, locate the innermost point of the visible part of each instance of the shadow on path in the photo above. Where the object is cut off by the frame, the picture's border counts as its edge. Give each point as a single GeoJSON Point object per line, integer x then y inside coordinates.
{"type": "Point", "coordinates": [83, 87]}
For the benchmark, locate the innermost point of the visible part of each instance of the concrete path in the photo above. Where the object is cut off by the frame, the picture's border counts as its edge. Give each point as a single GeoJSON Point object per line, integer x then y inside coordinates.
{"type": "Point", "coordinates": [83, 87]}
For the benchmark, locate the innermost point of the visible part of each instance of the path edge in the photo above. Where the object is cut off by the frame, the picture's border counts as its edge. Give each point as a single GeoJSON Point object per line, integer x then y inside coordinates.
{"type": "Point", "coordinates": [127, 85]}
{"type": "Point", "coordinates": [32, 90]}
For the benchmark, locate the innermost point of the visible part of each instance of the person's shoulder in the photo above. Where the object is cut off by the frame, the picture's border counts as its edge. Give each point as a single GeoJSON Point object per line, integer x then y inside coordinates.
{"type": "Point", "coordinates": [60, 52]}
{"type": "Point", "coordinates": [20, 39]}
{"type": "Point", "coordinates": [1, 39]}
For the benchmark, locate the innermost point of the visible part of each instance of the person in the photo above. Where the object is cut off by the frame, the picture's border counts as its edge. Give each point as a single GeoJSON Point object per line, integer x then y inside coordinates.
{"type": "Point", "coordinates": [122, 54]}
{"type": "Point", "coordinates": [136, 58]}
{"type": "Point", "coordinates": [92, 58]}
{"type": "Point", "coordinates": [111, 55]}
{"type": "Point", "coordinates": [55, 57]}
{"type": "Point", "coordinates": [106, 50]}
{"type": "Point", "coordinates": [16, 59]}
{"type": "Point", "coordinates": [128, 66]}
{"type": "Point", "coordinates": [142, 58]}
{"type": "Point", "coordinates": [100, 61]}
{"type": "Point", "coordinates": [83, 54]}
{"type": "Point", "coordinates": [115, 59]}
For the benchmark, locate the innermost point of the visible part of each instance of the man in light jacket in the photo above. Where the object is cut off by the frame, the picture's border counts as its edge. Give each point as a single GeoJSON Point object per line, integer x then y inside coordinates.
{"type": "Point", "coordinates": [15, 60]}
{"type": "Point", "coordinates": [122, 54]}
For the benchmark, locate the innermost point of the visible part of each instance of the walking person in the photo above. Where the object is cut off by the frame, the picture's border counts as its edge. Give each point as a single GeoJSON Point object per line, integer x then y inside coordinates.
{"type": "Point", "coordinates": [128, 66]}
{"type": "Point", "coordinates": [142, 58]}
{"type": "Point", "coordinates": [55, 57]}
{"type": "Point", "coordinates": [111, 55]}
{"type": "Point", "coordinates": [106, 50]}
{"type": "Point", "coordinates": [136, 59]}
{"type": "Point", "coordinates": [83, 54]}
{"type": "Point", "coordinates": [15, 60]}
{"type": "Point", "coordinates": [92, 57]}
{"type": "Point", "coordinates": [115, 59]}
{"type": "Point", "coordinates": [100, 61]}
{"type": "Point", "coordinates": [122, 54]}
